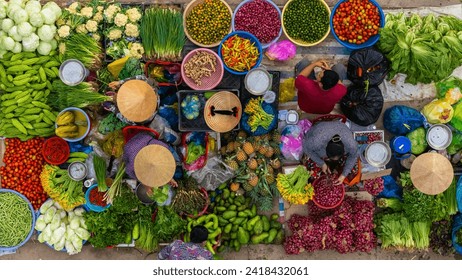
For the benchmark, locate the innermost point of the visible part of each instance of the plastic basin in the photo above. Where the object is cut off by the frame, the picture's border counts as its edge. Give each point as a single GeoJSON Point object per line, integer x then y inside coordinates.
{"type": "Point", "coordinates": [320, 205]}
{"type": "Point", "coordinates": [209, 82]}
{"type": "Point", "coordinates": [93, 207]}
{"type": "Point", "coordinates": [245, 35]}
{"type": "Point", "coordinates": [370, 42]}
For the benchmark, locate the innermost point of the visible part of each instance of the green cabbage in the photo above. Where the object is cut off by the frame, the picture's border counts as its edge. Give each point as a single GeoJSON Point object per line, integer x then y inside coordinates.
{"type": "Point", "coordinates": [418, 140]}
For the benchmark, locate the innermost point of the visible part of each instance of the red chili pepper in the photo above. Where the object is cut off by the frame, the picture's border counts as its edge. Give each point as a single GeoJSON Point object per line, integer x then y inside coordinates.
{"type": "Point", "coordinates": [97, 197]}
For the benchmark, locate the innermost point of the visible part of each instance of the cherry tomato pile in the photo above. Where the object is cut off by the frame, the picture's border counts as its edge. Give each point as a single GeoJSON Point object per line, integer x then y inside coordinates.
{"type": "Point", "coordinates": [355, 21]}
{"type": "Point", "coordinates": [23, 165]}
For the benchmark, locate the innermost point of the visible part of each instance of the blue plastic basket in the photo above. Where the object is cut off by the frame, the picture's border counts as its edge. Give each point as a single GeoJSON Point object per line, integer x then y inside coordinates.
{"type": "Point", "coordinates": [260, 130]}
{"type": "Point", "coordinates": [264, 46]}
{"type": "Point", "coordinates": [14, 248]}
{"type": "Point", "coordinates": [92, 207]}
{"type": "Point", "coordinates": [245, 35]}
{"type": "Point", "coordinates": [372, 40]}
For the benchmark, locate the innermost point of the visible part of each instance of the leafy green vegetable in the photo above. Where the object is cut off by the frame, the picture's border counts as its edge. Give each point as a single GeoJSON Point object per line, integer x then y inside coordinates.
{"type": "Point", "coordinates": [418, 140]}
{"type": "Point", "coordinates": [422, 207]}
{"type": "Point", "coordinates": [392, 203]}
{"type": "Point", "coordinates": [405, 179]}
{"type": "Point", "coordinates": [131, 68]}
{"type": "Point", "coordinates": [421, 234]}
{"type": "Point", "coordinates": [450, 198]}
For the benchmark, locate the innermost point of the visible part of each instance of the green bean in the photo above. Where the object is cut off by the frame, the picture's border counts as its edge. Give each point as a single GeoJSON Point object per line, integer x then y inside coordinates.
{"type": "Point", "coordinates": [15, 219]}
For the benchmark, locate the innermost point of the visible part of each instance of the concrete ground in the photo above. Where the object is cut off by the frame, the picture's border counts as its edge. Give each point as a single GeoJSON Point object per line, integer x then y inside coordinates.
{"type": "Point", "coordinates": [329, 49]}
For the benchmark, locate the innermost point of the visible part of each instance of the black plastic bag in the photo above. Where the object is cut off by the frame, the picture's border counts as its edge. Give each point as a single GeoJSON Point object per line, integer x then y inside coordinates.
{"type": "Point", "coordinates": [367, 64]}
{"type": "Point", "coordinates": [361, 107]}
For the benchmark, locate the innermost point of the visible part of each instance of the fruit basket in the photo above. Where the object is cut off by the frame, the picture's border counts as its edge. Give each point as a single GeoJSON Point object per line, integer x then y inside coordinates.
{"type": "Point", "coordinates": [327, 194]}
{"type": "Point", "coordinates": [300, 15]}
{"type": "Point", "coordinates": [371, 7]}
{"type": "Point", "coordinates": [208, 13]}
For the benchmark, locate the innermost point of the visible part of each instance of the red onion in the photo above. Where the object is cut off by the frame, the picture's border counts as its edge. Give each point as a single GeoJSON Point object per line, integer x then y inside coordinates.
{"type": "Point", "coordinates": [343, 241]}
{"type": "Point", "coordinates": [374, 186]}
{"type": "Point", "coordinates": [326, 192]}
{"type": "Point", "coordinates": [316, 213]}
{"type": "Point", "coordinates": [259, 18]}
{"type": "Point", "coordinates": [364, 241]}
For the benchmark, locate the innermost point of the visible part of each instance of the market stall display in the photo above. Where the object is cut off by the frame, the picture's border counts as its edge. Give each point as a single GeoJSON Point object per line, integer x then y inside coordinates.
{"type": "Point", "coordinates": [202, 69]}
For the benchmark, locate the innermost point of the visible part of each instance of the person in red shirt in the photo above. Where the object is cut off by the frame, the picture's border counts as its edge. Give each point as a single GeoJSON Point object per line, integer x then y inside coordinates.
{"type": "Point", "coordinates": [318, 95]}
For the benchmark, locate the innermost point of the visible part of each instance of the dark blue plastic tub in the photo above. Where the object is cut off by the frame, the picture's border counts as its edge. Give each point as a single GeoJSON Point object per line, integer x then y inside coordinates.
{"type": "Point", "coordinates": [14, 248]}
{"type": "Point", "coordinates": [245, 35]}
{"type": "Point", "coordinates": [372, 40]}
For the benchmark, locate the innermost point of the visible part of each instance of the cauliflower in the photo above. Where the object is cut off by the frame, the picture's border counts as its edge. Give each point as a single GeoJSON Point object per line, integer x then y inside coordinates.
{"type": "Point", "coordinates": [92, 26]}
{"type": "Point", "coordinates": [62, 48]}
{"type": "Point", "coordinates": [87, 12]}
{"type": "Point", "coordinates": [81, 28]}
{"type": "Point", "coordinates": [96, 37]}
{"type": "Point", "coordinates": [133, 14]}
{"type": "Point", "coordinates": [60, 21]}
{"type": "Point", "coordinates": [120, 20]}
{"type": "Point", "coordinates": [114, 34]}
{"type": "Point", "coordinates": [64, 31]}
{"type": "Point", "coordinates": [136, 50]}
{"type": "Point", "coordinates": [100, 9]}
{"type": "Point", "coordinates": [73, 7]}
{"type": "Point", "coordinates": [98, 17]}
{"type": "Point", "coordinates": [131, 30]}
{"type": "Point", "coordinates": [110, 11]}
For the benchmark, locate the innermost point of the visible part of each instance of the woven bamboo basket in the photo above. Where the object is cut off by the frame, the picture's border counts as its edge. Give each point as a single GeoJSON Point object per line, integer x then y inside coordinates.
{"type": "Point", "coordinates": [186, 12]}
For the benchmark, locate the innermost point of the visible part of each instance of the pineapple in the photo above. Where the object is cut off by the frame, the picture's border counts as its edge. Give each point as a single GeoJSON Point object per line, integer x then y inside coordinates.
{"type": "Point", "coordinates": [269, 152]}
{"type": "Point", "coordinates": [234, 186]}
{"type": "Point", "coordinates": [257, 138]}
{"type": "Point", "coordinates": [256, 145]}
{"type": "Point", "coordinates": [241, 155]}
{"type": "Point", "coordinates": [230, 147]}
{"type": "Point", "coordinates": [263, 149]}
{"type": "Point", "coordinates": [275, 163]}
{"type": "Point", "coordinates": [233, 164]}
{"type": "Point", "coordinates": [237, 144]}
{"type": "Point", "coordinates": [248, 148]}
{"type": "Point", "coordinates": [270, 169]}
{"type": "Point", "coordinates": [269, 178]}
{"type": "Point", "coordinates": [253, 180]}
{"type": "Point", "coordinates": [241, 134]}
{"type": "Point", "coordinates": [223, 150]}
{"type": "Point", "coordinates": [252, 163]}
{"type": "Point", "coordinates": [276, 137]}
{"type": "Point", "coordinates": [247, 187]}
{"type": "Point", "coordinates": [265, 137]}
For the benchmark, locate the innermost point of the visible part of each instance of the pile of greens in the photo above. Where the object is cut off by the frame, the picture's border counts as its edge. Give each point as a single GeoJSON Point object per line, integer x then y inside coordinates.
{"type": "Point", "coordinates": [407, 223]}
{"type": "Point", "coordinates": [425, 48]}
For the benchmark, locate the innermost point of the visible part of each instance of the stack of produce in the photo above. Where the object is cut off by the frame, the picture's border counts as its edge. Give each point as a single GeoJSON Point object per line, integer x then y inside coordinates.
{"type": "Point", "coordinates": [123, 31]}
{"type": "Point", "coordinates": [23, 165]}
{"type": "Point", "coordinates": [62, 229]}
{"type": "Point", "coordinates": [80, 96]}
{"type": "Point", "coordinates": [294, 187]}
{"type": "Point", "coordinates": [239, 54]}
{"type": "Point", "coordinates": [256, 163]}
{"type": "Point", "coordinates": [348, 228]}
{"type": "Point", "coordinates": [407, 223]}
{"type": "Point", "coordinates": [306, 21]}
{"type": "Point", "coordinates": [257, 115]}
{"type": "Point", "coordinates": [61, 187]}
{"type": "Point", "coordinates": [440, 237]}
{"type": "Point", "coordinates": [425, 48]}
{"type": "Point", "coordinates": [210, 222]}
{"type": "Point", "coordinates": [260, 18]}
{"type": "Point", "coordinates": [162, 33]}
{"type": "Point", "coordinates": [83, 48]}
{"type": "Point", "coordinates": [27, 26]}
{"type": "Point", "coordinates": [239, 222]}
{"type": "Point", "coordinates": [208, 22]}
{"type": "Point", "coordinates": [80, 18]}
{"type": "Point", "coordinates": [15, 219]}
{"type": "Point", "coordinates": [26, 83]}
{"type": "Point", "coordinates": [374, 186]}
{"type": "Point", "coordinates": [189, 199]}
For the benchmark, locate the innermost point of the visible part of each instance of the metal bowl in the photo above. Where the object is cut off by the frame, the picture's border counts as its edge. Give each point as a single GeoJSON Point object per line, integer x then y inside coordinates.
{"type": "Point", "coordinates": [439, 136]}
{"type": "Point", "coordinates": [377, 154]}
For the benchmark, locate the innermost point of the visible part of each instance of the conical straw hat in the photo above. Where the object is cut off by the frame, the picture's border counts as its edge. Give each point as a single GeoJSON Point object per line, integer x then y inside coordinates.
{"type": "Point", "coordinates": [227, 101]}
{"type": "Point", "coordinates": [137, 100]}
{"type": "Point", "coordinates": [154, 166]}
{"type": "Point", "coordinates": [431, 173]}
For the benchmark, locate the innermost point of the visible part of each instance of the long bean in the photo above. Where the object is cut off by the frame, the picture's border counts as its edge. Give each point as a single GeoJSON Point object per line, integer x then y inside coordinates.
{"type": "Point", "coordinates": [15, 219]}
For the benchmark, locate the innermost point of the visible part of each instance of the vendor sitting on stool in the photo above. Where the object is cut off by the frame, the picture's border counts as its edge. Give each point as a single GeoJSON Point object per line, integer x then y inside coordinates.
{"type": "Point", "coordinates": [318, 95]}
{"type": "Point", "coordinates": [327, 143]}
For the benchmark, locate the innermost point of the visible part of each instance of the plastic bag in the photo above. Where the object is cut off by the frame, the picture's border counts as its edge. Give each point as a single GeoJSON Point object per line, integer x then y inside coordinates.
{"type": "Point", "coordinates": [194, 150]}
{"type": "Point", "coordinates": [459, 194]}
{"type": "Point", "coordinates": [287, 90]}
{"type": "Point", "coordinates": [400, 119]}
{"type": "Point", "coordinates": [391, 189]}
{"type": "Point", "coordinates": [438, 111]}
{"type": "Point", "coordinates": [362, 108]}
{"type": "Point", "coordinates": [367, 65]}
{"type": "Point", "coordinates": [456, 121]}
{"type": "Point", "coordinates": [281, 51]}
{"type": "Point", "coordinates": [214, 173]}
{"type": "Point", "coordinates": [292, 140]}
{"type": "Point", "coordinates": [456, 226]}
{"type": "Point", "coordinates": [449, 89]}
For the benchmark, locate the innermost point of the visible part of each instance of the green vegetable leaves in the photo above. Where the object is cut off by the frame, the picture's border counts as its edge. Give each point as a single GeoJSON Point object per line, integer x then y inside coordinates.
{"type": "Point", "coordinates": [426, 48]}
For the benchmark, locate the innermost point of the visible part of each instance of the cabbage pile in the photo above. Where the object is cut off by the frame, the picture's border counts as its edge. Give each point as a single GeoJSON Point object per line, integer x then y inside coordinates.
{"type": "Point", "coordinates": [62, 229]}
{"type": "Point", "coordinates": [26, 26]}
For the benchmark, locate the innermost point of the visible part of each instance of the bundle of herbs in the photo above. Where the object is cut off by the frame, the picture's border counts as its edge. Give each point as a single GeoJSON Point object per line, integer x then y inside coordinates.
{"type": "Point", "coordinates": [440, 237]}
{"type": "Point", "coordinates": [162, 33]}
{"type": "Point", "coordinates": [83, 48]}
{"type": "Point", "coordinates": [81, 95]}
{"type": "Point", "coordinates": [99, 164]}
{"type": "Point", "coordinates": [189, 199]}
{"type": "Point", "coordinates": [116, 186]}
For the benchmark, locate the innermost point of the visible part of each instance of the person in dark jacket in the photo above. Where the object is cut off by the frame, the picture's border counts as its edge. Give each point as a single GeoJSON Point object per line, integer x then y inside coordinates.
{"type": "Point", "coordinates": [327, 142]}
